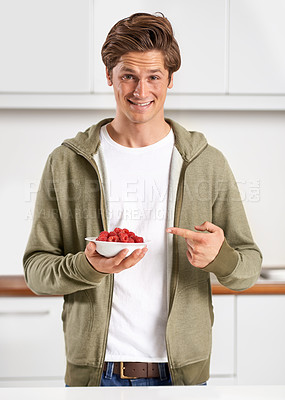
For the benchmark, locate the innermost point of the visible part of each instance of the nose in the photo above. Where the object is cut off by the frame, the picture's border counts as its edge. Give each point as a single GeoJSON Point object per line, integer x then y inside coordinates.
{"type": "Point", "coordinates": [141, 89]}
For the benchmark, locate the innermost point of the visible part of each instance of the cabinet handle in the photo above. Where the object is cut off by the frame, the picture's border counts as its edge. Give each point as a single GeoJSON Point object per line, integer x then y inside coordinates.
{"type": "Point", "coordinates": [24, 313]}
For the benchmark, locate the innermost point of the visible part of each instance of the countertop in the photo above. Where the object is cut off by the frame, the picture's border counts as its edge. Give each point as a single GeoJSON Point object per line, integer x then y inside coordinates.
{"type": "Point", "coordinates": [15, 285]}
{"type": "Point", "coordinates": [151, 393]}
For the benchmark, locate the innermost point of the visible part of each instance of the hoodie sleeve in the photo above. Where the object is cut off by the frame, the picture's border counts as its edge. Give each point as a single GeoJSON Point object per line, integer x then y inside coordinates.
{"type": "Point", "coordinates": [238, 263]}
{"type": "Point", "coordinates": [47, 269]}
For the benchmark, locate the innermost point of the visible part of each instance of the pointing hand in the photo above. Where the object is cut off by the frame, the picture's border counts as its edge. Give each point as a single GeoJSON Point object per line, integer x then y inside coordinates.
{"type": "Point", "coordinates": [203, 246]}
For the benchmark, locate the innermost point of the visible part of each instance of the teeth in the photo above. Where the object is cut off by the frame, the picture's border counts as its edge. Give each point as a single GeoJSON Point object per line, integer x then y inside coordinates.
{"type": "Point", "coordinates": [142, 104]}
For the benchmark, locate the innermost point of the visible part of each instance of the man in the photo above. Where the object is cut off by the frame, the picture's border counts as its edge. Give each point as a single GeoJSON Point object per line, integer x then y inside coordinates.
{"type": "Point", "coordinates": [146, 318]}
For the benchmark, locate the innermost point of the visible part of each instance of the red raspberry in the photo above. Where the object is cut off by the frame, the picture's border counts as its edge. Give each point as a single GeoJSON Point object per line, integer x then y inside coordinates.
{"type": "Point", "coordinates": [113, 238]}
{"type": "Point", "coordinates": [103, 233]}
{"type": "Point", "coordinates": [123, 237]}
{"type": "Point", "coordinates": [113, 233]}
{"type": "Point", "coordinates": [119, 235]}
{"type": "Point", "coordinates": [103, 236]}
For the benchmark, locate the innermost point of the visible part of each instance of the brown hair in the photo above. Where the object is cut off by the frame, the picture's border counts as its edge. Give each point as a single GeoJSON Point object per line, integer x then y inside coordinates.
{"type": "Point", "coordinates": [141, 32]}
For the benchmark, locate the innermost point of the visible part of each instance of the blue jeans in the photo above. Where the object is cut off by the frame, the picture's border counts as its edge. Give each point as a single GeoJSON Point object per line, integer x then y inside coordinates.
{"type": "Point", "coordinates": [110, 379]}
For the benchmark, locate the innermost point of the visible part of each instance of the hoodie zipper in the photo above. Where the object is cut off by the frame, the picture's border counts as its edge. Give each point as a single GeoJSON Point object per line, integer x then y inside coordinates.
{"type": "Point", "coordinates": [105, 227]}
{"type": "Point", "coordinates": [177, 213]}
{"type": "Point", "coordinates": [174, 278]}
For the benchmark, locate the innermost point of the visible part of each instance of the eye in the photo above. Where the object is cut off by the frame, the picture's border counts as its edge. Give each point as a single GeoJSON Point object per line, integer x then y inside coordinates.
{"type": "Point", "coordinates": [127, 77]}
{"type": "Point", "coordinates": [154, 78]}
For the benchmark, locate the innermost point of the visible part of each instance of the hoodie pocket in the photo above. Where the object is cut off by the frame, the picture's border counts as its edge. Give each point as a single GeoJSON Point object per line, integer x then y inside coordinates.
{"type": "Point", "coordinates": [85, 323]}
{"type": "Point", "coordinates": [189, 328]}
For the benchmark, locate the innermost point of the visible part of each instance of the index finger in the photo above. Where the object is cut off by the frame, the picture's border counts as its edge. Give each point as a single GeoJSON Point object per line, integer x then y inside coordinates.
{"type": "Point", "coordinates": [118, 258]}
{"type": "Point", "coordinates": [185, 233]}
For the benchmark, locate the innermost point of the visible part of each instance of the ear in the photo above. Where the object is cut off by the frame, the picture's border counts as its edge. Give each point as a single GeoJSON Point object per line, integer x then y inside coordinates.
{"type": "Point", "coordinates": [109, 79]}
{"type": "Point", "coordinates": [170, 85]}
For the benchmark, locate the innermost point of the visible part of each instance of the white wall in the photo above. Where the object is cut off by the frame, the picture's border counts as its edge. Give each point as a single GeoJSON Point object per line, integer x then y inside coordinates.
{"type": "Point", "coordinates": [253, 142]}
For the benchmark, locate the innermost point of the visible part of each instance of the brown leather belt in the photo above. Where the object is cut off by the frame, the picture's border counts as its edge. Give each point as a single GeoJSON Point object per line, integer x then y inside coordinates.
{"type": "Point", "coordinates": [134, 370]}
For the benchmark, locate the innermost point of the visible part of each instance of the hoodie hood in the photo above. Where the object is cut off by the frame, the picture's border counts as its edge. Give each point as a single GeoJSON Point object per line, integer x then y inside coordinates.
{"type": "Point", "coordinates": [189, 143]}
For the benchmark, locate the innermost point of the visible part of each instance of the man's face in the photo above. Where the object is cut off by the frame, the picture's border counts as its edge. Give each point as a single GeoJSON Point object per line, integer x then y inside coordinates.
{"type": "Point", "coordinates": [140, 83]}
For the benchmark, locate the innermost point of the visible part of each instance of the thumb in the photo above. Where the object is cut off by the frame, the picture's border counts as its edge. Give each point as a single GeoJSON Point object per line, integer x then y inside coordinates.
{"type": "Point", "coordinates": [206, 226]}
{"type": "Point", "coordinates": [91, 247]}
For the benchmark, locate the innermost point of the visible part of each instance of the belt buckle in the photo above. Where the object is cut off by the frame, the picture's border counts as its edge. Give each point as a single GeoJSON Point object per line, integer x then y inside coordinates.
{"type": "Point", "coordinates": [122, 368]}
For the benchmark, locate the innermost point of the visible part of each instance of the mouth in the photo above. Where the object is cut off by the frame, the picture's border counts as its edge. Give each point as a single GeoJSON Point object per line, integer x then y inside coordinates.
{"type": "Point", "coordinates": [140, 104]}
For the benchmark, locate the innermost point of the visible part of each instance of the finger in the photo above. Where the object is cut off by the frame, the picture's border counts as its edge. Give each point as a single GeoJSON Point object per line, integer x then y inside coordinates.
{"type": "Point", "coordinates": [129, 261]}
{"type": "Point", "coordinates": [189, 248]}
{"type": "Point", "coordinates": [90, 248]}
{"type": "Point", "coordinates": [190, 236]}
{"type": "Point", "coordinates": [185, 233]}
{"type": "Point", "coordinates": [189, 256]}
{"type": "Point", "coordinates": [134, 258]}
{"type": "Point", "coordinates": [118, 258]}
{"type": "Point", "coordinates": [207, 226]}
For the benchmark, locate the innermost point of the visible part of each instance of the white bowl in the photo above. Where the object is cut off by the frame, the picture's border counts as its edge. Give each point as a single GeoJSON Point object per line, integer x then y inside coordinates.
{"type": "Point", "coordinates": [111, 249]}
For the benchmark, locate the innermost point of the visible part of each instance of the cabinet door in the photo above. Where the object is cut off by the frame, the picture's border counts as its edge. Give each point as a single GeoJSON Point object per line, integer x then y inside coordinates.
{"type": "Point", "coordinates": [223, 348]}
{"type": "Point", "coordinates": [260, 340]}
{"type": "Point", "coordinates": [31, 338]}
{"type": "Point", "coordinates": [199, 27]}
{"type": "Point", "coordinates": [257, 56]}
{"type": "Point", "coordinates": [44, 46]}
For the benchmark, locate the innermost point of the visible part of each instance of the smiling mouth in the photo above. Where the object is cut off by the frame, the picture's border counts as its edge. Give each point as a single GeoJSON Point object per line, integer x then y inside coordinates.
{"type": "Point", "coordinates": [145, 104]}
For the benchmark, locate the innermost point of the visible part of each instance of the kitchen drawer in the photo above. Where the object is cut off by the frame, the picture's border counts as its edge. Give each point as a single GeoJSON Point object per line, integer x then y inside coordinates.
{"type": "Point", "coordinates": [31, 338]}
{"type": "Point", "coordinates": [223, 359]}
{"type": "Point", "coordinates": [33, 383]}
{"type": "Point", "coordinates": [260, 340]}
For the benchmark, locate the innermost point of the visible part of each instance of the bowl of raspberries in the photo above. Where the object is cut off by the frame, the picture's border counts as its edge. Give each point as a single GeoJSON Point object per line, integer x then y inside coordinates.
{"type": "Point", "coordinates": [109, 244]}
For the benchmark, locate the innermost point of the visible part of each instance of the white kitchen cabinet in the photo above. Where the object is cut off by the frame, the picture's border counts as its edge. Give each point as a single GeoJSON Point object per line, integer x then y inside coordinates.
{"type": "Point", "coordinates": [232, 53]}
{"type": "Point", "coordinates": [31, 341]}
{"type": "Point", "coordinates": [260, 340]}
{"type": "Point", "coordinates": [257, 56]}
{"type": "Point", "coordinates": [199, 26]}
{"type": "Point", "coordinates": [45, 46]}
{"type": "Point", "coordinates": [223, 360]}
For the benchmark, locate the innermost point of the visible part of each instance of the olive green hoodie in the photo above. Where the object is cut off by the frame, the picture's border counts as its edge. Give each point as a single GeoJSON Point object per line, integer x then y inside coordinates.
{"type": "Point", "coordinates": [71, 206]}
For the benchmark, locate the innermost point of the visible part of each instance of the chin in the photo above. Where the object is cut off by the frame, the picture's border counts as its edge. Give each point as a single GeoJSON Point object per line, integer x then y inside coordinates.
{"type": "Point", "coordinates": [140, 119]}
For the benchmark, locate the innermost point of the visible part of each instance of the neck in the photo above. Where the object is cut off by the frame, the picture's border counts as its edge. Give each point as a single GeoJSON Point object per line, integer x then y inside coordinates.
{"type": "Point", "coordinates": [137, 134]}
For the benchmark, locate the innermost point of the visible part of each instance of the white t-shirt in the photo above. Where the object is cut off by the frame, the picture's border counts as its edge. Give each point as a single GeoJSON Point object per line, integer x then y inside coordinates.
{"type": "Point", "coordinates": [137, 189]}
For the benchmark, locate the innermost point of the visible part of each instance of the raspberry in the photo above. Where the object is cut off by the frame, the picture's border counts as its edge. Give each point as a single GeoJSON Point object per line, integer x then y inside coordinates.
{"type": "Point", "coordinates": [123, 237]}
{"type": "Point", "coordinates": [119, 235]}
{"type": "Point", "coordinates": [103, 236]}
{"type": "Point", "coordinates": [113, 238]}
{"type": "Point", "coordinates": [113, 233]}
